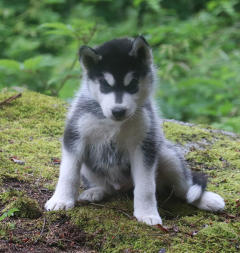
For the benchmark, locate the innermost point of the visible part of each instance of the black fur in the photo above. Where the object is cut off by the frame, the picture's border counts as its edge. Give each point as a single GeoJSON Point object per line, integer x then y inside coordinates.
{"type": "Point", "coordinates": [116, 60]}
{"type": "Point", "coordinates": [118, 97]}
{"type": "Point", "coordinates": [87, 105]}
{"type": "Point", "coordinates": [85, 183]}
{"type": "Point", "coordinates": [150, 144]}
{"type": "Point", "coordinates": [149, 148]}
{"type": "Point", "coordinates": [108, 159]}
{"type": "Point", "coordinates": [71, 134]}
{"type": "Point", "coordinates": [200, 179]}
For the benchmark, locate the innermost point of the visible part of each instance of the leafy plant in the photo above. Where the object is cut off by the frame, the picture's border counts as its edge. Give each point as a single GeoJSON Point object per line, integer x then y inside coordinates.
{"type": "Point", "coordinates": [9, 213]}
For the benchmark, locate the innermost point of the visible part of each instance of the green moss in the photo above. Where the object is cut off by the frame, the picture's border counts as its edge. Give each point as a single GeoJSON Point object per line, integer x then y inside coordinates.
{"type": "Point", "coordinates": [11, 177]}
{"type": "Point", "coordinates": [224, 230]}
{"type": "Point", "coordinates": [5, 228]}
{"type": "Point", "coordinates": [222, 154]}
{"type": "Point", "coordinates": [182, 133]}
{"type": "Point", "coordinates": [31, 128]}
{"type": "Point", "coordinates": [28, 208]}
{"type": "Point", "coordinates": [113, 231]}
{"type": "Point", "coordinates": [217, 237]}
{"type": "Point", "coordinates": [7, 196]}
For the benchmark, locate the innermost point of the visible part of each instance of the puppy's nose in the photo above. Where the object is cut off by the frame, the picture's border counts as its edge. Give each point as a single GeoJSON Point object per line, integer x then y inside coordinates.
{"type": "Point", "coordinates": [118, 113]}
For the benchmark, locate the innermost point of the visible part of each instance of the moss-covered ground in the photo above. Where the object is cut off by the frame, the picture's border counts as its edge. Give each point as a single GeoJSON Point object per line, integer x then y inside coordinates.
{"type": "Point", "coordinates": [30, 133]}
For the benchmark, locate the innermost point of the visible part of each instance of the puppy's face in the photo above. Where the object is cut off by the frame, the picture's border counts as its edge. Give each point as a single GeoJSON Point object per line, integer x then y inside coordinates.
{"type": "Point", "coordinates": [119, 75]}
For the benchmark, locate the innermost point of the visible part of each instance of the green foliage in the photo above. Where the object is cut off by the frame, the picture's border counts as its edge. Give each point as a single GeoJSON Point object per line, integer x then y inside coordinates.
{"type": "Point", "coordinates": [8, 213]}
{"type": "Point", "coordinates": [195, 45]}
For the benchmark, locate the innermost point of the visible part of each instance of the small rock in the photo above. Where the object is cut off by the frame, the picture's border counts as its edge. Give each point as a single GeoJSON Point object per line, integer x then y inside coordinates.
{"type": "Point", "coordinates": [162, 250]}
{"type": "Point", "coordinates": [15, 160]}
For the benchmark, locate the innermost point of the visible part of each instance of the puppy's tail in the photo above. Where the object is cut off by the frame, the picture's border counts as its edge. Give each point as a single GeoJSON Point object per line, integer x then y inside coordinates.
{"type": "Point", "coordinates": [199, 185]}
{"type": "Point", "coordinates": [199, 197]}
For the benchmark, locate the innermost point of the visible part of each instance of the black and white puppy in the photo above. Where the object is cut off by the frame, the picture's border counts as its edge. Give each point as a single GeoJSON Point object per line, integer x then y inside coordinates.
{"type": "Point", "coordinates": [113, 138]}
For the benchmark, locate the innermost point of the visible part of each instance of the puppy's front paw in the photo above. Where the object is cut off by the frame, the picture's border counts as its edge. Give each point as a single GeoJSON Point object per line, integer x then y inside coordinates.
{"type": "Point", "coordinates": [58, 203]}
{"type": "Point", "coordinates": [149, 219]}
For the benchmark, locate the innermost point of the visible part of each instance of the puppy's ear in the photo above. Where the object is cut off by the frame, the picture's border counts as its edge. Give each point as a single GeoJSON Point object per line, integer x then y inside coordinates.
{"type": "Point", "coordinates": [141, 50]}
{"type": "Point", "coordinates": [88, 57]}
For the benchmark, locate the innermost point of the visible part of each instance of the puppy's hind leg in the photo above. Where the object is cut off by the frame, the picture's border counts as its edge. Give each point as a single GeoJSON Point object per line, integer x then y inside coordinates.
{"type": "Point", "coordinates": [187, 185]}
{"type": "Point", "coordinates": [172, 170]}
{"type": "Point", "coordinates": [96, 186]}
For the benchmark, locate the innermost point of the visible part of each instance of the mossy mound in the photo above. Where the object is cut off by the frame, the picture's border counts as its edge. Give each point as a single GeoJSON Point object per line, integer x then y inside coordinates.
{"type": "Point", "coordinates": [27, 207]}
{"type": "Point", "coordinates": [10, 195]}
{"type": "Point", "coordinates": [30, 131]}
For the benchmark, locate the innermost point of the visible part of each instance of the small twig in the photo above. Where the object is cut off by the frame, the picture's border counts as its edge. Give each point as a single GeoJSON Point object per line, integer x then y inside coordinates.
{"type": "Point", "coordinates": [196, 222]}
{"type": "Point", "coordinates": [113, 208]}
{"type": "Point", "coordinates": [85, 40]}
{"type": "Point", "coordinates": [63, 82]}
{"type": "Point", "coordinates": [44, 223]}
{"type": "Point", "coordinates": [10, 99]}
{"type": "Point", "coordinates": [88, 37]}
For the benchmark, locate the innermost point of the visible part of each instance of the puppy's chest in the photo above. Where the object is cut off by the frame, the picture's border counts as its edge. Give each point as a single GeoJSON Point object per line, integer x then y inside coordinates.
{"type": "Point", "coordinates": [106, 149]}
{"type": "Point", "coordinates": [107, 159]}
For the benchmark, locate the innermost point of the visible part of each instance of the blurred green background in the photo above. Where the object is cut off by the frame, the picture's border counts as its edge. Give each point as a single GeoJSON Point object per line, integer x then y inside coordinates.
{"type": "Point", "coordinates": [195, 46]}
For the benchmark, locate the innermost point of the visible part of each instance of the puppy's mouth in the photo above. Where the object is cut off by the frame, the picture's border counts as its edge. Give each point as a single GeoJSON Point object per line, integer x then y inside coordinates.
{"type": "Point", "coordinates": [119, 119]}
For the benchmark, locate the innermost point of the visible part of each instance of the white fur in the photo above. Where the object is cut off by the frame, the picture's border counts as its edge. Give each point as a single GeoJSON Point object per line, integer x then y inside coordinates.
{"type": "Point", "coordinates": [98, 130]}
{"type": "Point", "coordinates": [108, 103]}
{"type": "Point", "coordinates": [109, 78]}
{"type": "Point", "coordinates": [128, 78]}
{"type": "Point", "coordinates": [194, 193]}
{"type": "Point", "coordinates": [94, 194]}
{"type": "Point", "coordinates": [145, 204]}
{"type": "Point", "coordinates": [67, 188]}
{"type": "Point", "coordinates": [210, 201]}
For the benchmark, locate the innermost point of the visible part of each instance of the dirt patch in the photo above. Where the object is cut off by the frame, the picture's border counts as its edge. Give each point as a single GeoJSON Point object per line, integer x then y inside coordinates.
{"type": "Point", "coordinates": [49, 233]}
{"type": "Point", "coordinates": [43, 235]}
{"type": "Point", "coordinates": [34, 190]}
{"type": "Point", "coordinates": [56, 237]}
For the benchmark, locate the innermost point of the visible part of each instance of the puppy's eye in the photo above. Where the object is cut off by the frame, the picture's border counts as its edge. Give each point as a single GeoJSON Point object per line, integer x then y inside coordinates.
{"type": "Point", "coordinates": [132, 87]}
{"type": "Point", "coordinates": [104, 86]}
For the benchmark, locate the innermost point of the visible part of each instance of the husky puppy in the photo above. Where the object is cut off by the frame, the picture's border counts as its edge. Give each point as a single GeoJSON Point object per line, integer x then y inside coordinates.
{"type": "Point", "coordinates": [113, 138]}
